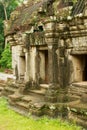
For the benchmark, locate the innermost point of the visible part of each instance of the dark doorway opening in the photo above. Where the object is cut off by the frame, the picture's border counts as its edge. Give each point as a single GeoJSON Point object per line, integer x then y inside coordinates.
{"type": "Point", "coordinates": [22, 67]}
{"type": "Point", "coordinates": [85, 69]}
{"type": "Point", "coordinates": [80, 67]}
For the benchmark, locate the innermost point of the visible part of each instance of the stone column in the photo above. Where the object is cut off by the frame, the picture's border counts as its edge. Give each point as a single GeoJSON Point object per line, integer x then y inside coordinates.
{"type": "Point", "coordinates": [51, 38]}
{"type": "Point", "coordinates": [52, 92]}
{"type": "Point", "coordinates": [21, 64]}
{"type": "Point", "coordinates": [26, 65]}
{"type": "Point", "coordinates": [32, 68]}
{"type": "Point", "coordinates": [52, 64]}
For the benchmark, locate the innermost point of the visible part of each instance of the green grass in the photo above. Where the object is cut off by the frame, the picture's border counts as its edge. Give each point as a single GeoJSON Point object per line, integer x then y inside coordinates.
{"type": "Point", "coordinates": [9, 120]}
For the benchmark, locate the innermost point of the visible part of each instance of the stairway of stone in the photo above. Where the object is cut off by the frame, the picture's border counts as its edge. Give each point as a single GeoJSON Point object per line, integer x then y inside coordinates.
{"type": "Point", "coordinates": [10, 88]}
{"type": "Point", "coordinates": [39, 92]}
{"type": "Point", "coordinates": [34, 102]}
{"type": "Point", "coordinates": [2, 86]}
{"type": "Point", "coordinates": [78, 89]}
{"type": "Point", "coordinates": [78, 113]}
{"type": "Point", "coordinates": [31, 102]}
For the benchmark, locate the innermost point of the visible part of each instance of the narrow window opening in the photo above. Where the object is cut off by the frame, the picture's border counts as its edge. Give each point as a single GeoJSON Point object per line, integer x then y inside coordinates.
{"type": "Point", "coordinates": [40, 28]}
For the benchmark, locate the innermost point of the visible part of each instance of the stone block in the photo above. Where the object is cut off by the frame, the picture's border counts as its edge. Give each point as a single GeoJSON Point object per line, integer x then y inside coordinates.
{"type": "Point", "coordinates": [84, 98]}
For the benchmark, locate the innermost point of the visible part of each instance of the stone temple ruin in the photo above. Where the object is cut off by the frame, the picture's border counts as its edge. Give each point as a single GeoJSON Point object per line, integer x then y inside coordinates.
{"type": "Point", "coordinates": [48, 39]}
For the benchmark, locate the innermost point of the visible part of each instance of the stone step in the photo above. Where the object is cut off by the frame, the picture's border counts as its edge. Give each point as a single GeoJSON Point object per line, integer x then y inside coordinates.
{"type": "Point", "coordinates": [77, 94]}
{"type": "Point", "coordinates": [2, 86]}
{"type": "Point", "coordinates": [13, 86]}
{"type": "Point", "coordinates": [40, 92]}
{"type": "Point", "coordinates": [80, 106]}
{"type": "Point", "coordinates": [77, 86]}
{"type": "Point", "coordinates": [19, 105]}
{"type": "Point", "coordinates": [82, 90]}
{"type": "Point", "coordinates": [32, 98]}
{"type": "Point", "coordinates": [80, 84]}
{"type": "Point", "coordinates": [38, 109]}
{"type": "Point", "coordinates": [44, 86]}
{"type": "Point", "coordinates": [84, 118]}
{"type": "Point", "coordinates": [25, 108]}
{"type": "Point", "coordinates": [78, 90]}
{"type": "Point", "coordinates": [19, 111]}
{"type": "Point", "coordinates": [27, 99]}
{"type": "Point", "coordinates": [9, 89]}
{"type": "Point", "coordinates": [15, 97]}
{"type": "Point", "coordinates": [23, 105]}
{"type": "Point", "coordinates": [78, 120]}
{"type": "Point", "coordinates": [7, 93]}
{"type": "Point", "coordinates": [35, 103]}
{"type": "Point", "coordinates": [78, 113]}
{"type": "Point", "coordinates": [26, 105]}
{"type": "Point", "coordinates": [25, 102]}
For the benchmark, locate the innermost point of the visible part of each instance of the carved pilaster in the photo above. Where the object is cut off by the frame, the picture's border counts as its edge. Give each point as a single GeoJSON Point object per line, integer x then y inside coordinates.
{"type": "Point", "coordinates": [51, 38]}
{"type": "Point", "coordinates": [27, 66]}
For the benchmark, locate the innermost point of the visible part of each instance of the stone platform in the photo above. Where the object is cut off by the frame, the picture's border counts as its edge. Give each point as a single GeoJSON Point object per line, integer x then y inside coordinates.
{"type": "Point", "coordinates": [33, 102]}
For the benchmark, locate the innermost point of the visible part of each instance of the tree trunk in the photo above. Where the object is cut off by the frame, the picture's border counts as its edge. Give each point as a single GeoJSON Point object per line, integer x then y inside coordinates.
{"type": "Point", "coordinates": [6, 17]}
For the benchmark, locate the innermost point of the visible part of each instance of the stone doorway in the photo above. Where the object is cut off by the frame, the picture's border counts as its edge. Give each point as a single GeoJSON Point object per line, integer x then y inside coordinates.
{"type": "Point", "coordinates": [22, 68]}
{"type": "Point", "coordinates": [80, 67]}
{"type": "Point", "coordinates": [43, 66]}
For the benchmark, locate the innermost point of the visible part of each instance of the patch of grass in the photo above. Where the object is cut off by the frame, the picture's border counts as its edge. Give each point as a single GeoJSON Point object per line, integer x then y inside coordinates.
{"type": "Point", "coordinates": [9, 120]}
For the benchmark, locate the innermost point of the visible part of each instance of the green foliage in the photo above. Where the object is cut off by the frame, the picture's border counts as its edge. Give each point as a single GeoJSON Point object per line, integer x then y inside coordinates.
{"type": "Point", "coordinates": [12, 4]}
{"type": "Point", "coordinates": [1, 12]}
{"type": "Point", "coordinates": [6, 7]}
{"type": "Point", "coordinates": [1, 32]}
{"type": "Point", "coordinates": [6, 58]}
{"type": "Point", "coordinates": [9, 120]}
